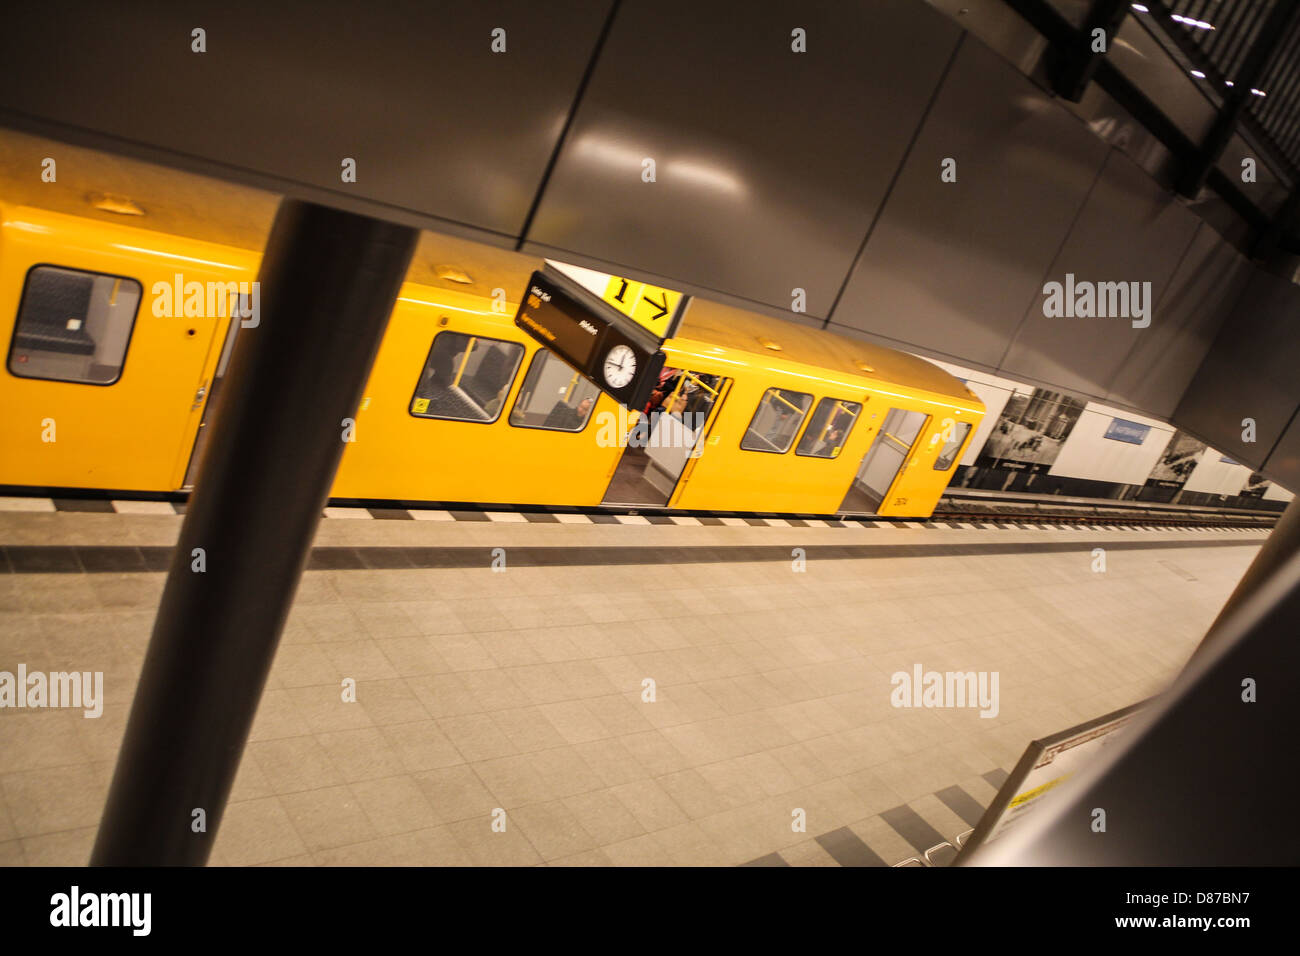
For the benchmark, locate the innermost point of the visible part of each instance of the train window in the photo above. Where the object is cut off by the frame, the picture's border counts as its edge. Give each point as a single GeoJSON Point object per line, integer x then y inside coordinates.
{"type": "Point", "coordinates": [73, 326]}
{"type": "Point", "coordinates": [948, 453]}
{"type": "Point", "coordinates": [776, 421]}
{"type": "Point", "coordinates": [828, 428]}
{"type": "Point", "coordinates": [553, 396]}
{"type": "Point", "coordinates": [466, 378]}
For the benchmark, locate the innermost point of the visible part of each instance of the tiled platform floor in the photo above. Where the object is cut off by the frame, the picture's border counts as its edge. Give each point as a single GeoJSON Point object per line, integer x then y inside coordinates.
{"type": "Point", "coordinates": [522, 690]}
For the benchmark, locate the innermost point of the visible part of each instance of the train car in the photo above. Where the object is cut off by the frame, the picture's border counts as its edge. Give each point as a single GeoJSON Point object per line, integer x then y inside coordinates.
{"type": "Point", "coordinates": [118, 340]}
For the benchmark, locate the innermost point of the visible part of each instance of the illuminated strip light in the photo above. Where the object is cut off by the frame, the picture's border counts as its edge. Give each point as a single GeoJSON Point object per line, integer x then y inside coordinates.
{"type": "Point", "coordinates": [1188, 21]}
{"type": "Point", "coordinates": [173, 255]}
{"type": "Point", "coordinates": [1139, 8]}
{"type": "Point", "coordinates": [442, 305]}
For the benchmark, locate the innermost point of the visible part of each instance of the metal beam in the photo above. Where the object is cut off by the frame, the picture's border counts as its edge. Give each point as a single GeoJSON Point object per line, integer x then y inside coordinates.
{"type": "Point", "coordinates": [1077, 62]}
{"type": "Point", "coordinates": [328, 283]}
{"type": "Point", "coordinates": [1281, 230]}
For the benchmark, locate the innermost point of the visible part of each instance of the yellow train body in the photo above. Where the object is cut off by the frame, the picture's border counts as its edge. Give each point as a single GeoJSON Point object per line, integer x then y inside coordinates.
{"type": "Point", "coordinates": [134, 428]}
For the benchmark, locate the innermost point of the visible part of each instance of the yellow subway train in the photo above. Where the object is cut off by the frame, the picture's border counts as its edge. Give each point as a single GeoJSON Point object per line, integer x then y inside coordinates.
{"type": "Point", "coordinates": [118, 339]}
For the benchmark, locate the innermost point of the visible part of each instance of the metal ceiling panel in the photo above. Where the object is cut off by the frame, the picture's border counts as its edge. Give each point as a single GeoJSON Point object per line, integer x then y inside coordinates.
{"type": "Point", "coordinates": [439, 125]}
{"type": "Point", "coordinates": [769, 164]}
{"type": "Point", "coordinates": [1202, 293]}
{"type": "Point", "coordinates": [951, 266]}
{"type": "Point", "coordinates": [1130, 230]}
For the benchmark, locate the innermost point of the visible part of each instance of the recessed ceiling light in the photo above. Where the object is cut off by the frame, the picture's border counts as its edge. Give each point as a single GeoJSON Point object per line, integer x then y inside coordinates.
{"type": "Point", "coordinates": [452, 274]}
{"type": "Point", "coordinates": [864, 366]}
{"type": "Point", "coordinates": [769, 344]}
{"type": "Point", "coordinates": [115, 204]}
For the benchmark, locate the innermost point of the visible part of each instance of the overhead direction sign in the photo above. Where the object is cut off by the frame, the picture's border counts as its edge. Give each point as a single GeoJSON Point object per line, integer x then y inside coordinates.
{"type": "Point", "coordinates": [652, 307]}
{"type": "Point", "coordinates": [604, 345]}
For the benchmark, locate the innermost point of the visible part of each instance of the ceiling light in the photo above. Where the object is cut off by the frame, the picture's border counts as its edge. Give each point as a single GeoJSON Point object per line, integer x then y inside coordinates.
{"type": "Point", "coordinates": [115, 204]}
{"type": "Point", "coordinates": [452, 274]}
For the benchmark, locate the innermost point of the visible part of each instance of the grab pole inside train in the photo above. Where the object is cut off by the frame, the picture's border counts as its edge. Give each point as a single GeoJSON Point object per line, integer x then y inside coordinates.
{"type": "Point", "coordinates": [328, 281]}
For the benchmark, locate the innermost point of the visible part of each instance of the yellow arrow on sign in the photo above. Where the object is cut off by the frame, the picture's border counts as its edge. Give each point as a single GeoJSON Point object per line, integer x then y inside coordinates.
{"type": "Point", "coordinates": [650, 306]}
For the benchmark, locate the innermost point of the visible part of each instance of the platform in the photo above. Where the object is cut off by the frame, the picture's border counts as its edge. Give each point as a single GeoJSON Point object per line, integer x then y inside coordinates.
{"type": "Point", "coordinates": [521, 689]}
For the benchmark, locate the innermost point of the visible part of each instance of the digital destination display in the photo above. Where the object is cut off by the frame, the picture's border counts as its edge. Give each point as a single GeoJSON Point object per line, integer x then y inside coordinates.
{"type": "Point", "coordinates": [608, 348]}
{"type": "Point", "coordinates": [565, 325]}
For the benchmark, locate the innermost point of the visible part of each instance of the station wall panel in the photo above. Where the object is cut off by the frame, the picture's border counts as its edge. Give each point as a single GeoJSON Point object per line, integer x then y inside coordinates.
{"type": "Point", "coordinates": [1129, 230]}
{"type": "Point", "coordinates": [438, 124]}
{"type": "Point", "coordinates": [1089, 454]}
{"type": "Point", "coordinates": [769, 164]}
{"type": "Point", "coordinates": [952, 266]}
{"type": "Point", "coordinates": [1212, 475]}
{"type": "Point", "coordinates": [1250, 372]}
{"type": "Point", "coordinates": [1200, 296]}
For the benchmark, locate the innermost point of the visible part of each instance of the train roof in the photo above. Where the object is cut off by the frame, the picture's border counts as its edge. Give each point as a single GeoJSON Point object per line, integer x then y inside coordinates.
{"type": "Point", "coordinates": [756, 334]}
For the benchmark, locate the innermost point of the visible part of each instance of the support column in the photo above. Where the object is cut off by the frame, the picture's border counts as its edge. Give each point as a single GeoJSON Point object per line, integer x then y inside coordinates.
{"type": "Point", "coordinates": [1282, 544]}
{"type": "Point", "coordinates": [328, 282]}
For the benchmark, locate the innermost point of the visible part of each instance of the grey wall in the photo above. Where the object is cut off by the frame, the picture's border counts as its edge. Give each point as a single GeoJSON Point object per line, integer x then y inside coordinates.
{"type": "Point", "coordinates": [775, 170]}
{"type": "Point", "coordinates": [1201, 293]}
{"type": "Point", "coordinates": [952, 267]}
{"type": "Point", "coordinates": [770, 165]}
{"type": "Point", "coordinates": [442, 128]}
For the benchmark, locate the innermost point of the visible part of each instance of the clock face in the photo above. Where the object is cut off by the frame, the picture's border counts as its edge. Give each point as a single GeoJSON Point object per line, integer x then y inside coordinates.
{"type": "Point", "coordinates": [620, 366]}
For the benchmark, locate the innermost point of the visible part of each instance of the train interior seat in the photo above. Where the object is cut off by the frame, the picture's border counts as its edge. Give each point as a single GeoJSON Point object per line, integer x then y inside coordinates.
{"type": "Point", "coordinates": [53, 314]}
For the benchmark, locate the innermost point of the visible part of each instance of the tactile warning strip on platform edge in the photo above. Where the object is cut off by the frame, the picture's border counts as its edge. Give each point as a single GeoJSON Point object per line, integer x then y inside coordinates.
{"type": "Point", "coordinates": [504, 514]}
{"type": "Point", "coordinates": [896, 835]}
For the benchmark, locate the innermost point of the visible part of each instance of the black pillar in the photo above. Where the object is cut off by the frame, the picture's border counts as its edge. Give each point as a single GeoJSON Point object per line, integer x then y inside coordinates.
{"type": "Point", "coordinates": [328, 283]}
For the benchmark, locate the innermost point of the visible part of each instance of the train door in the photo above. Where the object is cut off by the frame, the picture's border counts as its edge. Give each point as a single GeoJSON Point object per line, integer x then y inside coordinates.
{"type": "Point", "coordinates": [667, 439]}
{"type": "Point", "coordinates": [206, 395]}
{"type": "Point", "coordinates": [884, 461]}
{"type": "Point", "coordinates": [101, 386]}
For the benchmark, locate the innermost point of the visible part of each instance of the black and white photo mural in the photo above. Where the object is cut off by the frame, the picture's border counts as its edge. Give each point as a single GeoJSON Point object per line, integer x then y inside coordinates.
{"type": "Point", "coordinates": [1174, 468]}
{"type": "Point", "coordinates": [1026, 440]}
